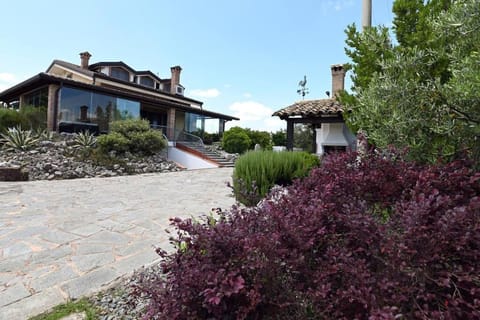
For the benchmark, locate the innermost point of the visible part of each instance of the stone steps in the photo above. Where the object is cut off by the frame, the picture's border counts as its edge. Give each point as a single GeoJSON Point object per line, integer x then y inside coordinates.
{"type": "Point", "coordinates": [208, 154]}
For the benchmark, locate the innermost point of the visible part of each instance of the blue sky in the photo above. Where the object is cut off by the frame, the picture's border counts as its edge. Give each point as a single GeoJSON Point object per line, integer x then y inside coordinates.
{"type": "Point", "coordinates": [243, 57]}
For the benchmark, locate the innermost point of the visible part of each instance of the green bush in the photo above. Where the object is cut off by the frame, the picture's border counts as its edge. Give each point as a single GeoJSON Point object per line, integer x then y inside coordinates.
{"type": "Point", "coordinates": [303, 137]}
{"type": "Point", "coordinates": [27, 117]}
{"type": "Point", "coordinates": [279, 138]}
{"type": "Point", "coordinates": [33, 117]}
{"type": "Point", "coordinates": [130, 126]}
{"type": "Point", "coordinates": [132, 135]}
{"type": "Point", "coordinates": [235, 140]}
{"type": "Point", "coordinates": [113, 141]}
{"type": "Point", "coordinates": [262, 138]}
{"type": "Point", "coordinates": [9, 118]}
{"type": "Point", "coordinates": [147, 142]}
{"type": "Point", "coordinates": [256, 172]}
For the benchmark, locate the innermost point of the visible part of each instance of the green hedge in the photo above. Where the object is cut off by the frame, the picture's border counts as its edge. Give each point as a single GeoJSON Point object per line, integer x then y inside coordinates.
{"type": "Point", "coordinates": [256, 172]}
{"type": "Point", "coordinates": [9, 118]}
{"type": "Point", "coordinates": [26, 118]}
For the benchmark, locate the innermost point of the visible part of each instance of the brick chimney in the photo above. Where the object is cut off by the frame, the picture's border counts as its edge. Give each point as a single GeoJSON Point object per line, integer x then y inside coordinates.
{"type": "Point", "coordinates": [84, 57]}
{"type": "Point", "coordinates": [338, 79]}
{"type": "Point", "coordinates": [175, 80]}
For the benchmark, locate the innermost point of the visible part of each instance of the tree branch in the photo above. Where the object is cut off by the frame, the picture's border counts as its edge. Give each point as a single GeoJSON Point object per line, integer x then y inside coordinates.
{"type": "Point", "coordinates": [464, 115]}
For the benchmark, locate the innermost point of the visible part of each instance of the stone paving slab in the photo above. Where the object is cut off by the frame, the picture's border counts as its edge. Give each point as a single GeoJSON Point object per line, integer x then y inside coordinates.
{"type": "Point", "coordinates": [65, 239]}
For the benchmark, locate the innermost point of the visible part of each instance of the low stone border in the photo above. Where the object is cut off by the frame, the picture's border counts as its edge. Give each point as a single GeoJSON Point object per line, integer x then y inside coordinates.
{"type": "Point", "coordinates": [14, 173]}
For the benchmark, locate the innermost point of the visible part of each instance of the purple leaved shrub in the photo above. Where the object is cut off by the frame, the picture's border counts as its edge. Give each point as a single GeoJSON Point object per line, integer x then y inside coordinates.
{"type": "Point", "coordinates": [376, 238]}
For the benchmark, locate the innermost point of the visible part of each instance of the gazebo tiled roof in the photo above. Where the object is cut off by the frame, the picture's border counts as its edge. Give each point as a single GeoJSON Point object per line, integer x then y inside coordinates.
{"type": "Point", "coordinates": [311, 109]}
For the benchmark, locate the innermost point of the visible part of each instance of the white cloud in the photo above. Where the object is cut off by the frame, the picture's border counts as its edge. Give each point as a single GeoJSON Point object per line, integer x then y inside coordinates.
{"type": "Point", "coordinates": [250, 110]}
{"type": "Point", "coordinates": [336, 5]}
{"type": "Point", "coordinates": [247, 95]}
{"type": "Point", "coordinates": [207, 93]}
{"type": "Point", "coordinates": [7, 80]}
{"type": "Point", "coordinates": [256, 116]}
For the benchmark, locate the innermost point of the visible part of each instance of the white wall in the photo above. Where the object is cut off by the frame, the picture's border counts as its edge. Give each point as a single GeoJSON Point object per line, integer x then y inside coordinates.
{"type": "Point", "coordinates": [331, 134]}
{"type": "Point", "coordinates": [188, 160]}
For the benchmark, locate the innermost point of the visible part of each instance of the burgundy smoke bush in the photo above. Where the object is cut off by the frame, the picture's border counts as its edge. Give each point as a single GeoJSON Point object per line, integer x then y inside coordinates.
{"type": "Point", "coordinates": [377, 238]}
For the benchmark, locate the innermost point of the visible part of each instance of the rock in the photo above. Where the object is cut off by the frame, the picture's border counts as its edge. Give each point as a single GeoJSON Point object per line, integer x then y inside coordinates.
{"type": "Point", "coordinates": [56, 160]}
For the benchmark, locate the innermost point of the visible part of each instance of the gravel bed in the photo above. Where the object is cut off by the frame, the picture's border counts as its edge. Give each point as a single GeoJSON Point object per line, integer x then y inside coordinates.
{"type": "Point", "coordinates": [119, 302]}
{"type": "Point", "coordinates": [61, 159]}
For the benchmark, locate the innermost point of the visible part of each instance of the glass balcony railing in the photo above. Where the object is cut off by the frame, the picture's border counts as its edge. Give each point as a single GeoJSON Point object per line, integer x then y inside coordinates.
{"type": "Point", "coordinates": [180, 136]}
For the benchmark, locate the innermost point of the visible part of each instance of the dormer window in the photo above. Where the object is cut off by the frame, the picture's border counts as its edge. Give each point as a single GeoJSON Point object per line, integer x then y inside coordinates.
{"type": "Point", "coordinates": [147, 81]}
{"type": "Point", "coordinates": [120, 73]}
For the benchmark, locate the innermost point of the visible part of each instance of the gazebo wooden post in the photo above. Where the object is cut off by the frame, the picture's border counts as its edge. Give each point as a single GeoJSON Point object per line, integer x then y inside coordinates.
{"type": "Point", "coordinates": [290, 134]}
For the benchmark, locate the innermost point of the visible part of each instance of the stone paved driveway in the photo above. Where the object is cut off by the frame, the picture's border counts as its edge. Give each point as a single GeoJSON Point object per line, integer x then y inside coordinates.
{"type": "Point", "coordinates": [65, 239]}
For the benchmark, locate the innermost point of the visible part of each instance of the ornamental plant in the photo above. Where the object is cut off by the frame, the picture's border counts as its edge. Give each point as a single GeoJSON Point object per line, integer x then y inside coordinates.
{"type": "Point", "coordinates": [113, 141]}
{"type": "Point", "coordinates": [132, 135]}
{"type": "Point", "coordinates": [256, 172]}
{"type": "Point", "coordinates": [18, 139]}
{"type": "Point", "coordinates": [359, 238]}
{"type": "Point", "coordinates": [239, 140]}
{"type": "Point", "coordinates": [9, 118]}
{"type": "Point", "coordinates": [28, 117]}
{"type": "Point", "coordinates": [236, 140]}
{"type": "Point", "coordinates": [85, 140]}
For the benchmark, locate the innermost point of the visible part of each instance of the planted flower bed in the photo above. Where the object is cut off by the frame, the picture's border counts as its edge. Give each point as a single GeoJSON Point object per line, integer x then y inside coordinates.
{"type": "Point", "coordinates": [376, 238]}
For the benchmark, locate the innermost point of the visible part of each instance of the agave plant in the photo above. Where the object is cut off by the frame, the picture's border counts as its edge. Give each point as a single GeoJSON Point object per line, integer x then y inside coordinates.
{"type": "Point", "coordinates": [44, 134]}
{"type": "Point", "coordinates": [85, 140]}
{"type": "Point", "coordinates": [18, 139]}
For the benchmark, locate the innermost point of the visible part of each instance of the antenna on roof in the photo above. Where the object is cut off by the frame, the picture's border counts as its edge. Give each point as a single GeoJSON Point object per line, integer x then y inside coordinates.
{"type": "Point", "coordinates": [303, 90]}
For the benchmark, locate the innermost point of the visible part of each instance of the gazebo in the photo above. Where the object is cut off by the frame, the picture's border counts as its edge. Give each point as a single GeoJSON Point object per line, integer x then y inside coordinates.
{"type": "Point", "coordinates": [325, 116]}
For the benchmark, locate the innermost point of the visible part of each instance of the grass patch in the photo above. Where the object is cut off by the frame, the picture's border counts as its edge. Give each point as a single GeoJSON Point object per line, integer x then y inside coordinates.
{"type": "Point", "coordinates": [62, 310]}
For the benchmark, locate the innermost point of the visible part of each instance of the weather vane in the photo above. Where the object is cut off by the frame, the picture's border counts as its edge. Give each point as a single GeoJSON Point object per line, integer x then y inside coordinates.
{"type": "Point", "coordinates": [303, 90]}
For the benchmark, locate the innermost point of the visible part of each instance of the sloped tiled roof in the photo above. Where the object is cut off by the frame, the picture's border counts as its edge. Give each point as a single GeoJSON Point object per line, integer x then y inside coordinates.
{"type": "Point", "coordinates": [71, 66]}
{"type": "Point", "coordinates": [311, 109]}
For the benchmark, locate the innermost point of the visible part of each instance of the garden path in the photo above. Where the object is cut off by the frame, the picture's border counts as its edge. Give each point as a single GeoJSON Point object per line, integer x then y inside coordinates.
{"type": "Point", "coordinates": [69, 238]}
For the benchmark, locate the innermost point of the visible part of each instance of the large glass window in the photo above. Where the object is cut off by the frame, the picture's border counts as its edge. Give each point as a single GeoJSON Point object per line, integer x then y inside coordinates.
{"type": "Point", "coordinates": [74, 105]}
{"type": "Point", "coordinates": [127, 109]}
{"type": "Point", "coordinates": [37, 98]}
{"type": "Point", "coordinates": [102, 111]}
{"type": "Point", "coordinates": [120, 73]}
{"type": "Point", "coordinates": [93, 111]}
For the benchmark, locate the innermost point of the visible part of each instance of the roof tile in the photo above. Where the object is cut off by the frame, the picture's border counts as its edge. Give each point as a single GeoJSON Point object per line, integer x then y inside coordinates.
{"type": "Point", "coordinates": [311, 108]}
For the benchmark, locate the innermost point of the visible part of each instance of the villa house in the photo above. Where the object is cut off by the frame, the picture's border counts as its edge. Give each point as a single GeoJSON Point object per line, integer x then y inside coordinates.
{"type": "Point", "coordinates": [89, 96]}
{"type": "Point", "coordinates": [326, 117]}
